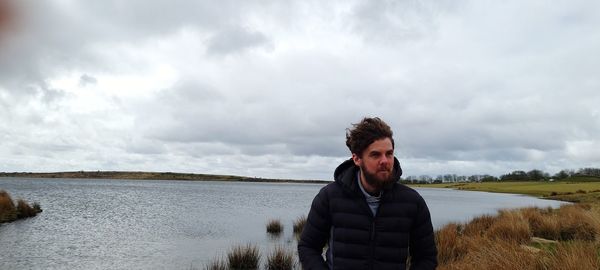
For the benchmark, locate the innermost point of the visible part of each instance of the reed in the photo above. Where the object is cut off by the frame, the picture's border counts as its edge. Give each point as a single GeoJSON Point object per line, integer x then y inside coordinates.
{"type": "Point", "coordinates": [11, 212]}
{"type": "Point", "coordinates": [217, 264]}
{"type": "Point", "coordinates": [575, 255]}
{"type": "Point", "coordinates": [8, 210]}
{"type": "Point", "coordinates": [505, 241]}
{"type": "Point", "coordinates": [274, 226]}
{"type": "Point", "coordinates": [479, 225]}
{"type": "Point", "coordinates": [577, 223]}
{"type": "Point", "coordinates": [489, 254]}
{"type": "Point", "coordinates": [280, 259]}
{"type": "Point", "coordinates": [243, 257]}
{"type": "Point", "coordinates": [24, 210]}
{"type": "Point", "coordinates": [299, 224]}
{"type": "Point", "coordinates": [450, 243]}
{"type": "Point", "coordinates": [510, 226]}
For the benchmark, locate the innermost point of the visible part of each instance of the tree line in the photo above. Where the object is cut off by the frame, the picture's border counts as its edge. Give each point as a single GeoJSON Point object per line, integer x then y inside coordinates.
{"type": "Point", "coordinates": [592, 174]}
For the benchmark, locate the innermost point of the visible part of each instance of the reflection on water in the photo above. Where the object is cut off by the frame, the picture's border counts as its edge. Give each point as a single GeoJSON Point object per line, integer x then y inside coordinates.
{"type": "Point", "coordinates": [133, 224]}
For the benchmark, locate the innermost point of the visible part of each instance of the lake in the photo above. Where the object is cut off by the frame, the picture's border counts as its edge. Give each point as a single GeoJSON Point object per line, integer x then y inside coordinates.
{"type": "Point", "coordinates": [139, 224]}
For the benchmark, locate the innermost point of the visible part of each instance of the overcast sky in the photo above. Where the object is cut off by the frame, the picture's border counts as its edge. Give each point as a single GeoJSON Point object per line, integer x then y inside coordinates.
{"type": "Point", "coordinates": [267, 88]}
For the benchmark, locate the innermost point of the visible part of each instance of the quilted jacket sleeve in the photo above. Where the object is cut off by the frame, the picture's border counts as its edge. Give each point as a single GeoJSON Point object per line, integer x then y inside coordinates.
{"type": "Point", "coordinates": [422, 247]}
{"type": "Point", "coordinates": [315, 233]}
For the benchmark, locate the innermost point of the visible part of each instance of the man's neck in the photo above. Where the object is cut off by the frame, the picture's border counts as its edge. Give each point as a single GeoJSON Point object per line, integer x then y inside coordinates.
{"type": "Point", "coordinates": [368, 188]}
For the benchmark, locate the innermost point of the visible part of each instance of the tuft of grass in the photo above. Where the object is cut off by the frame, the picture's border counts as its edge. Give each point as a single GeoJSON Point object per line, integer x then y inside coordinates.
{"type": "Point", "coordinates": [24, 210]}
{"type": "Point", "coordinates": [274, 226]}
{"type": "Point", "coordinates": [489, 254]}
{"type": "Point", "coordinates": [479, 225]}
{"type": "Point", "coordinates": [450, 243]}
{"type": "Point", "coordinates": [280, 259]}
{"type": "Point", "coordinates": [542, 223]}
{"type": "Point", "coordinates": [243, 257]}
{"type": "Point", "coordinates": [510, 226]}
{"type": "Point", "coordinates": [299, 224]}
{"type": "Point", "coordinates": [577, 223]}
{"type": "Point", "coordinates": [217, 264]}
{"type": "Point", "coordinates": [11, 212]}
{"type": "Point", "coordinates": [8, 210]}
{"type": "Point", "coordinates": [575, 255]}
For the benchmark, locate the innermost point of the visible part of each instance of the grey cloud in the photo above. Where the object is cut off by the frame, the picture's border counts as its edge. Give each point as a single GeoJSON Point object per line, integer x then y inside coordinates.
{"type": "Point", "coordinates": [235, 40]}
{"type": "Point", "coordinates": [85, 80]}
{"type": "Point", "coordinates": [466, 86]}
{"type": "Point", "coordinates": [391, 21]}
{"type": "Point", "coordinates": [192, 113]}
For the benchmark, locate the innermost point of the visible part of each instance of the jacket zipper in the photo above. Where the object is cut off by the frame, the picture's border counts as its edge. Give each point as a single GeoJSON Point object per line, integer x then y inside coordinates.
{"type": "Point", "coordinates": [372, 257]}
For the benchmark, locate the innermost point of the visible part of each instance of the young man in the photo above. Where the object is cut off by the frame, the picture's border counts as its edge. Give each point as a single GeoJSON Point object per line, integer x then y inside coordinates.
{"type": "Point", "coordinates": [368, 219]}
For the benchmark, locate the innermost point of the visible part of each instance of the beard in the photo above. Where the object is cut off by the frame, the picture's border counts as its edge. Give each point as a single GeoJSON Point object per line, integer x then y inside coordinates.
{"type": "Point", "coordinates": [376, 181]}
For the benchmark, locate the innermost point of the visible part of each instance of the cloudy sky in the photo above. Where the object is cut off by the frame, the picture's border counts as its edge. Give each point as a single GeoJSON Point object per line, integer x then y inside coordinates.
{"type": "Point", "coordinates": [267, 88]}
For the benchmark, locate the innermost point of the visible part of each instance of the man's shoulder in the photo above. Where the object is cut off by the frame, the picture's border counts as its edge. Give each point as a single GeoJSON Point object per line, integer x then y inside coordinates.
{"type": "Point", "coordinates": [332, 190]}
{"type": "Point", "coordinates": [407, 192]}
{"type": "Point", "coordinates": [330, 187]}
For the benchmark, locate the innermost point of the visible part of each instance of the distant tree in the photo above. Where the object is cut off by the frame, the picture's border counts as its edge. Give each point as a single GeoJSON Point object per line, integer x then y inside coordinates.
{"type": "Point", "coordinates": [449, 177]}
{"type": "Point", "coordinates": [535, 175]}
{"type": "Point", "coordinates": [488, 178]}
{"type": "Point", "coordinates": [515, 176]}
{"type": "Point", "coordinates": [589, 172]}
{"type": "Point", "coordinates": [562, 174]}
{"type": "Point", "coordinates": [473, 178]}
{"type": "Point", "coordinates": [425, 178]}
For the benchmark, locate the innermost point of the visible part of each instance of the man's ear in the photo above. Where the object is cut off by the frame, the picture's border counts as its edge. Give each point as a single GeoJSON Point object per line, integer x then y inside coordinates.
{"type": "Point", "coordinates": [357, 160]}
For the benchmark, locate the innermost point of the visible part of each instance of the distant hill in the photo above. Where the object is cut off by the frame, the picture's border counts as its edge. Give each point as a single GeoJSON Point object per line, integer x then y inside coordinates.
{"type": "Point", "coordinates": [150, 176]}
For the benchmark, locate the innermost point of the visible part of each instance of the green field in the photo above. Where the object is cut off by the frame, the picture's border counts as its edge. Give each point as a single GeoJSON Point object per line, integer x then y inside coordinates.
{"type": "Point", "coordinates": [563, 190]}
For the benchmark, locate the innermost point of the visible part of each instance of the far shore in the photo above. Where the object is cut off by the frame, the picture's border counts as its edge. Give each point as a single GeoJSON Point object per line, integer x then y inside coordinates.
{"type": "Point", "coordinates": [570, 191]}
{"type": "Point", "coordinates": [124, 175]}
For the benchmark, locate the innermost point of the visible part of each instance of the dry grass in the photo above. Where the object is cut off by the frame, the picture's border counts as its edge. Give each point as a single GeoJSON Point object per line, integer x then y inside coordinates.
{"type": "Point", "coordinates": [280, 259]}
{"type": "Point", "coordinates": [24, 210]}
{"type": "Point", "coordinates": [299, 224]}
{"type": "Point", "coordinates": [274, 226]}
{"type": "Point", "coordinates": [510, 226]}
{"type": "Point", "coordinates": [542, 223]}
{"type": "Point", "coordinates": [575, 255]}
{"type": "Point", "coordinates": [479, 225]}
{"type": "Point", "coordinates": [243, 257]}
{"type": "Point", "coordinates": [504, 241]}
{"type": "Point", "coordinates": [217, 264]}
{"type": "Point", "coordinates": [452, 246]}
{"type": "Point", "coordinates": [578, 223]}
{"type": "Point", "coordinates": [488, 254]}
{"type": "Point", "coordinates": [11, 212]}
{"type": "Point", "coordinates": [7, 207]}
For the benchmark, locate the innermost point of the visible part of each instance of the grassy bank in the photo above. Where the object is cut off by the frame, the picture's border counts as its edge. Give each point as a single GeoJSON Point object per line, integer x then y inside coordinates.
{"type": "Point", "coordinates": [11, 211]}
{"type": "Point", "coordinates": [567, 191]}
{"type": "Point", "coordinates": [530, 238]}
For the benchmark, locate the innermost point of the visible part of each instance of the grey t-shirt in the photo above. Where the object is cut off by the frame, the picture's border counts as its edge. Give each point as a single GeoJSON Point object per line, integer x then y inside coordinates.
{"type": "Point", "coordinates": [372, 201]}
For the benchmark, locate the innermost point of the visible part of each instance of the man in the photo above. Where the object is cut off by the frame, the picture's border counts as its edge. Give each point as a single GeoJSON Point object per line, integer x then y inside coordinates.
{"type": "Point", "coordinates": [367, 218]}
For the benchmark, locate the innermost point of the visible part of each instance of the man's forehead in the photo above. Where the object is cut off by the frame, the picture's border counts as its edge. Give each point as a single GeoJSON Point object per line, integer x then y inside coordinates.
{"type": "Point", "coordinates": [384, 144]}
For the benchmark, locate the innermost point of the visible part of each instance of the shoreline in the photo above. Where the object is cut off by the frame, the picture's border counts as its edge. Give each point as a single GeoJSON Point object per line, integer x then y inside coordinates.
{"type": "Point", "coordinates": [574, 192]}
{"type": "Point", "coordinates": [165, 176]}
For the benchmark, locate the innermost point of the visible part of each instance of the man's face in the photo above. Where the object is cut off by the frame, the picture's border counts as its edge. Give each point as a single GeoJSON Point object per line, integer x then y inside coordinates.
{"type": "Point", "coordinates": [377, 163]}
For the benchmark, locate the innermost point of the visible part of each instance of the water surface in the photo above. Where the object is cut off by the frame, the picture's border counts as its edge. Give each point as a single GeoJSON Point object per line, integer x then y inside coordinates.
{"type": "Point", "coordinates": [138, 224]}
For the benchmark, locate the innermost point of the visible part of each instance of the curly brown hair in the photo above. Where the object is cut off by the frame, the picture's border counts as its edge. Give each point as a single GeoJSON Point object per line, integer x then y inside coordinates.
{"type": "Point", "coordinates": [364, 133]}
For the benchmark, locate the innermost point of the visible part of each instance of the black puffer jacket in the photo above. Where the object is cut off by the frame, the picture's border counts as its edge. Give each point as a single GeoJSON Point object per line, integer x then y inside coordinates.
{"type": "Point", "coordinates": [340, 216]}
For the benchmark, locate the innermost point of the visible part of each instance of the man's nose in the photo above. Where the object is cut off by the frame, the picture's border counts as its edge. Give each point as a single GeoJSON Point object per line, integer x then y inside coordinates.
{"type": "Point", "coordinates": [384, 160]}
